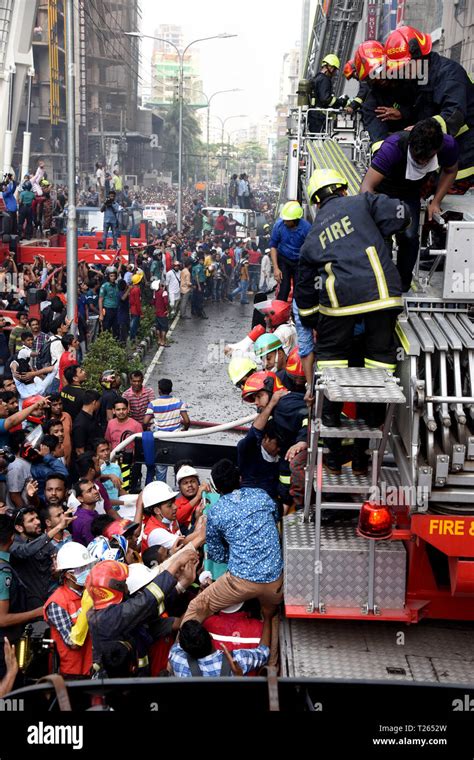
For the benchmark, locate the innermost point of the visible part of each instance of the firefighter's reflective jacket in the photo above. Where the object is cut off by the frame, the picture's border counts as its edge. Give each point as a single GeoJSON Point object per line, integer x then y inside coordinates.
{"type": "Point", "coordinates": [321, 92]}
{"type": "Point", "coordinates": [448, 96]}
{"type": "Point", "coordinates": [345, 267]}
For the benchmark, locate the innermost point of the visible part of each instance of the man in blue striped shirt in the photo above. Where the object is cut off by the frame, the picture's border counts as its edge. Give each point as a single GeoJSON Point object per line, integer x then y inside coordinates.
{"type": "Point", "coordinates": [166, 414]}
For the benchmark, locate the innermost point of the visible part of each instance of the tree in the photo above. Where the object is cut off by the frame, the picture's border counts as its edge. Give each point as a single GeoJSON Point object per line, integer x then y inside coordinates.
{"type": "Point", "coordinates": [191, 143]}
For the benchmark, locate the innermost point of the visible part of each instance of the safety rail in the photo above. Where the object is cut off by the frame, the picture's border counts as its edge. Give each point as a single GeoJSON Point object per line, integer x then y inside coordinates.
{"type": "Point", "coordinates": [182, 434]}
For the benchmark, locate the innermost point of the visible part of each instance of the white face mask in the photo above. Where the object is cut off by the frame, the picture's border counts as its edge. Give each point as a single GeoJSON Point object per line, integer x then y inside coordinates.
{"type": "Point", "coordinates": [415, 172]}
{"type": "Point", "coordinates": [268, 457]}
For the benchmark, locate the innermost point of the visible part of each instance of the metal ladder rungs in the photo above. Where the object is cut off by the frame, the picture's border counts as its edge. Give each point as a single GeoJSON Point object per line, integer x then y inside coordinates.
{"type": "Point", "coordinates": [351, 429]}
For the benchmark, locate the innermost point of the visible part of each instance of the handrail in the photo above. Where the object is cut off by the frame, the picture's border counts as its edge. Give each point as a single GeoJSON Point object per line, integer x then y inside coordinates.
{"type": "Point", "coordinates": [184, 433]}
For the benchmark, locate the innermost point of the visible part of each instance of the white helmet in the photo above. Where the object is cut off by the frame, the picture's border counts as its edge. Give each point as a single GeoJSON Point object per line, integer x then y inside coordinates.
{"type": "Point", "coordinates": [73, 555]}
{"type": "Point", "coordinates": [186, 472]}
{"type": "Point", "coordinates": [157, 492]}
{"type": "Point", "coordinates": [140, 575]}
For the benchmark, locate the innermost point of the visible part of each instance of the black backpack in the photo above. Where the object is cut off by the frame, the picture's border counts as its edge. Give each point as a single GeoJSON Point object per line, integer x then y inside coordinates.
{"type": "Point", "coordinates": [44, 357]}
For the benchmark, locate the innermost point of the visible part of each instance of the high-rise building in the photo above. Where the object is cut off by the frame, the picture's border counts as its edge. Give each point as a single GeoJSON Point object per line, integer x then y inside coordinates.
{"type": "Point", "coordinates": [289, 76]}
{"type": "Point", "coordinates": [458, 27]}
{"type": "Point", "coordinates": [165, 70]}
{"type": "Point", "coordinates": [107, 117]}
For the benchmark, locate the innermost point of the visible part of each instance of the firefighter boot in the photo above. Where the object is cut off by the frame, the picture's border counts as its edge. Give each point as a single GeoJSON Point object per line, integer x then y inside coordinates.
{"type": "Point", "coordinates": [360, 458]}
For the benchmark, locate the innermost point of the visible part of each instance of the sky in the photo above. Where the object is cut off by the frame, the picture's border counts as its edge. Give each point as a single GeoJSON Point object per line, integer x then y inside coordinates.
{"type": "Point", "coordinates": [251, 61]}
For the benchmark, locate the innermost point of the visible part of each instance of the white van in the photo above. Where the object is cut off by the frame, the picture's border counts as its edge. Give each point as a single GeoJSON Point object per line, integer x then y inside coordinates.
{"type": "Point", "coordinates": [245, 217]}
{"type": "Point", "coordinates": [156, 213]}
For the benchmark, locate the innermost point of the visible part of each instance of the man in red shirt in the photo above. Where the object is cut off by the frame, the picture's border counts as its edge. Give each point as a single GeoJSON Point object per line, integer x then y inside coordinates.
{"type": "Point", "coordinates": [161, 314]}
{"type": "Point", "coordinates": [220, 225]}
{"type": "Point", "coordinates": [135, 303]}
{"type": "Point", "coordinates": [138, 397]}
{"type": "Point", "coordinates": [189, 501]}
{"type": "Point", "coordinates": [121, 426]}
{"type": "Point", "coordinates": [254, 257]}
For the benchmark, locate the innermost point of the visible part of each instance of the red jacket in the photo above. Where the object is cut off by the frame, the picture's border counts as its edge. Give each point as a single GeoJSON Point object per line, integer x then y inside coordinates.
{"type": "Point", "coordinates": [135, 301]}
{"type": "Point", "coordinates": [76, 662]}
{"type": "Point", "coordinates": [161, 303]}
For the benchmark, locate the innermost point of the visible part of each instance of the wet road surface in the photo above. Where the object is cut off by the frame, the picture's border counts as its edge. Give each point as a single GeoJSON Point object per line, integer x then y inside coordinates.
{"type": "Point", "coordinates": [196, 364]}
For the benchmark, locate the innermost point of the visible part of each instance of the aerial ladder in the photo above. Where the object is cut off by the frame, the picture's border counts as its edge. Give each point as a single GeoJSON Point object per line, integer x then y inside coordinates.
{"type": "Point", "coordinates": [422, 457]}
{"type": "Point", "coordinates": [17, 21]}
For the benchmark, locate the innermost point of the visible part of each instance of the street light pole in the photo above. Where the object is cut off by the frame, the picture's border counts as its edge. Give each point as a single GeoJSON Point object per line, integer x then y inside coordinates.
{"type": "Point", "coordinates": [71, 238]}
{"type": "Point", "coordinates": [181, 55]}
{"type": "Point", "coordinates": [219, 92]}
{"type": "Point", "coordinates": [223, 121]}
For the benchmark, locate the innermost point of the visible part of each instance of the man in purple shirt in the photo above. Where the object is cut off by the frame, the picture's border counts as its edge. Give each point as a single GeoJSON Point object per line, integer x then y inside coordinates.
{"type": "Point", "coordinates": [401, 167]}
{"type": "Point", "coordinates": [88, 495]}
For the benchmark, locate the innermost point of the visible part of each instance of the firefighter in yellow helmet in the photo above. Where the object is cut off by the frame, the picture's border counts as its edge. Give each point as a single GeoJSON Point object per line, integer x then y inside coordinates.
{"type": "Point", "coordinates": [322, 95]}
{"type": "Point", "coordinates": [345, 275]}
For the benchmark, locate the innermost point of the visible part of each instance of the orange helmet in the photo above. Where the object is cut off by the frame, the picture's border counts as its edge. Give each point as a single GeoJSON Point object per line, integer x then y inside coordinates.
{"type": "Point", "coordinates": [406, 43]}
{"type": "Point", "coordinates": [119, 528]}
{"type": "Point", "coordinates": [368, 58]}
{"type": "Point", "coordinates": [106, 583]}
{"type": "Point", "coordinates": [278, 312]}
{"type": "Point", "coordinates": [260, 381]}
{"type": "Point", "coordinates": [294, 366]}
{"type": "Point", "coordinates": [350, 70]}
{"type": "Point", "coordinates": [37, 417]}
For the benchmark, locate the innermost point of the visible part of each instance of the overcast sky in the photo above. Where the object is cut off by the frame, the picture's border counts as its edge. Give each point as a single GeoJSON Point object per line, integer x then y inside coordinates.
{"type": "Point", "coordinates": [266, 29]}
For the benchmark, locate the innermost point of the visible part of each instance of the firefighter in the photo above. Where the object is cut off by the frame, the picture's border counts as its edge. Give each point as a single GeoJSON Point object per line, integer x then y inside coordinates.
{"type": "Point", "coordinates": [350, 72]}
{"type": "Point", "coordinates": [444, 91]}
{"type": "Point", "coordinates": [63, 607]}
{"type": "Point", "coordinates": [387, 105]}
{"type": "Point", "coordinates": [293, 376]}
{"type": "Point", "coordinates": [269, 349]}
{"type": "Point", "coordinates": [115, 617]}
{"type": "Point", "coordinates": [322, 94]}
{"type": "Point", "coordinates": [240, 368]}
{"type": "Point", "coordinates": [345, 272]}
{"type": "Point", "coordinates": [400, 169]}
{"type": "Point", "coordinates": [290, 417]}
{"type": "Point", "coordinates": [288, 235]}
{"type": "Point", "coordinates": [274, 317]}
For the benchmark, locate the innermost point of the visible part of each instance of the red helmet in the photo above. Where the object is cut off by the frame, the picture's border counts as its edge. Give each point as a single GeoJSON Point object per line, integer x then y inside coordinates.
{"type": "Point", "coordinates": [119, 528]}
{"type": "Point", "coordinates": [294, 366]}
{"type": "Point", "coordinates": [350, 70]}
{"type": "Point", "coordinates": [278, 312]}
{"type": "Point", "coordinates": [106, 583]}
{"type": "Point", "coordinates": [38, 417]}
{"type": "Point", "coordinates": [369, 56]}
{"type": "Point", "coordinates": [406, 43]}
{"type": "Point", "coordinates": [260, 381]}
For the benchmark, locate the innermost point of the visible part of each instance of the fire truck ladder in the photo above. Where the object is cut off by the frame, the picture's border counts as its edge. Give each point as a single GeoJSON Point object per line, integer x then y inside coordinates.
{"type": "Point", "coordinates": [321, 558]}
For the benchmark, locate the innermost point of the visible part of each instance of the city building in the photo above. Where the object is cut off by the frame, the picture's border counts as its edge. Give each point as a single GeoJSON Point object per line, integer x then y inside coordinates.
{"type": "Point", "coordinates": [165, 68]}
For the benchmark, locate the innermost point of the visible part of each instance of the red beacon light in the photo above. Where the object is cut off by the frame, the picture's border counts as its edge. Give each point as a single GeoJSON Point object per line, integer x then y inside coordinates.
{"type": "Point", "coordinates": [375, 521]}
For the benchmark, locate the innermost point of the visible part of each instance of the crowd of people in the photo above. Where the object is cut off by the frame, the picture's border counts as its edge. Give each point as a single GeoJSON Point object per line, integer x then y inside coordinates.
{"type": "Point", "coordinates": [139, 570]}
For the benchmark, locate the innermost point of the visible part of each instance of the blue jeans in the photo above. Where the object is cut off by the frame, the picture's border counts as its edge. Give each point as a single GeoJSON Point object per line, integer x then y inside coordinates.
{"type": "Point", "coordinates": [161, 471]}
{"type": "Point", "coordinates": [254, 276]}
{"type": "Point", "coordinates": [242, 289]}
{"type": "Point", "coordinates": [114, 229]}
{"type": "Point", "coordinates": [216, 289]}
{"type": "Point", "coordinates": [134, 326]}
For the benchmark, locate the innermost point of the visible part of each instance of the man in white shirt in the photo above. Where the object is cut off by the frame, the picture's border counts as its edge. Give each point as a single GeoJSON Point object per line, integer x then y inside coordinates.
{"type": "Point", "coordinates": [265, 271]}
{"type": "Point", "coordinates": [100, 181]}
{"type": "Point", "coordinates": [173, 285]}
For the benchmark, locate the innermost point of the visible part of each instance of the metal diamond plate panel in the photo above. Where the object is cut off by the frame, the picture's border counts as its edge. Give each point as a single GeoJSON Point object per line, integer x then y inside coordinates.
{"type": "Point", "coordinates": [346, 482]}
{"type": "Point", "coordinates": [360, 384]}
{"type": "Point", "coordinates": [343, 649]}
{"type": "Point", "coordinates": [344, 567]}
{"type": "Point", "coordinates": [453, 671]}
{"type": "Point", "coordinates": [355, 376]}
{"type": "Point", "coordinates": [351, 429]}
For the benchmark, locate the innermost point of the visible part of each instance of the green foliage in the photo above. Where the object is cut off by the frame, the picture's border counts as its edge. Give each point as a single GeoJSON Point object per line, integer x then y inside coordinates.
{"type": "Point", "coordinates": [107, 353]}
{"type": "Point", "coordinates": [147, 322]}
{"type": "Point", "coordinates": [191, 142]}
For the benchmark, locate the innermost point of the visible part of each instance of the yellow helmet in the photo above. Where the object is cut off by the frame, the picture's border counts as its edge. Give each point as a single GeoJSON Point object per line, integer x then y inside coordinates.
{"type": "Point", "coordinates": [291, 210]}
{"type": "Point", "coordinates": [239, 367]}
{"type": "Point", "coordinates": [323, 178]}
{"type": "Point", "coordinates": [331, 60]}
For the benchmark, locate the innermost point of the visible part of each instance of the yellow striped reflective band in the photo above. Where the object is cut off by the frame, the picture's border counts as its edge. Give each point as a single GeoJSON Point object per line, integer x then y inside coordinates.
{"type": "Point", "coordinates": [464, 173]}
{"type": "Point", "coordinates": [441, 122]}
{"type": "Point", "coordinates": [332, 101]}
{"type": "Point", "coordinates": [285, 479]}
{"type": "Point", "coordinates": [376, 146]}
{"type": "Point", "coordinates": [378, 271]}
{"type": "Point", "coordinates": [330, 286]}
{"type": "Point", "coordinates": [372, 364]}
{"type": "Point", "coordinates": [159, 596]}
{"type": "Point", "coordinates": [305, 422]}
{"type": "Point", "coordinates": [307, 312]}
{"type": "Point", "coordinates": [361, 308]}
{"type": "Point", "coordinates": [402, 338]}
{"type": "Point", "coordinates": [462, 131]}
{"type": "Point", "coordinates": [143, 661]}
{"type": "Point", "coordinates": [358, 100]}
{"type": "Point", "coordinates": [333, 363]}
